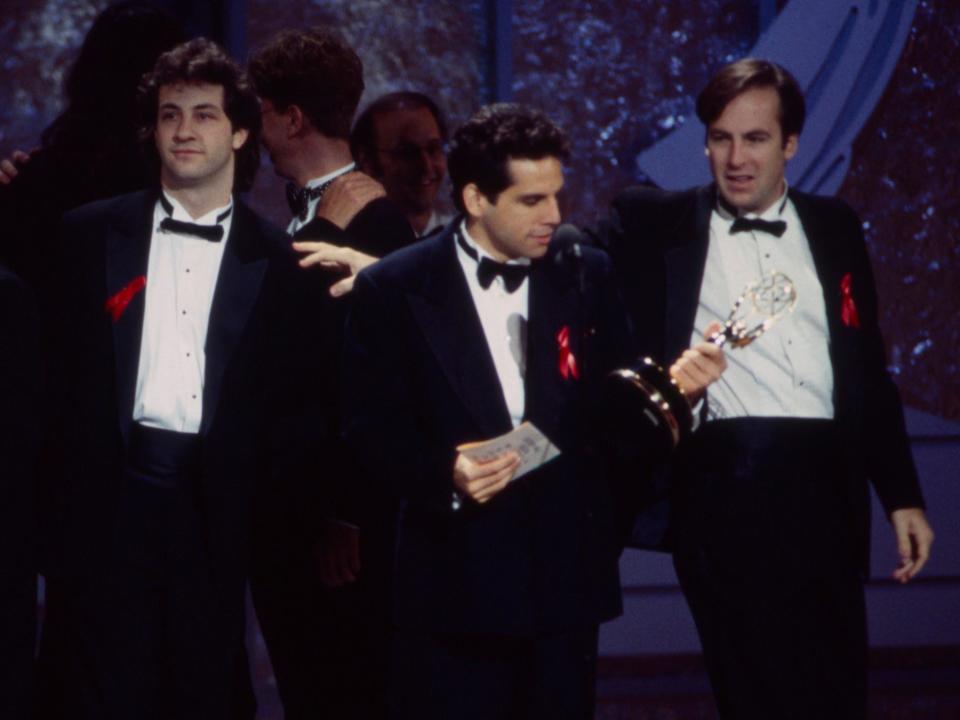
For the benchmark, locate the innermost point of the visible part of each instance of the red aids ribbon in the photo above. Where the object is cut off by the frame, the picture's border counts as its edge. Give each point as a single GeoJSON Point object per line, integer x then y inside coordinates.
{"type": "Point", "coordinates": [848, 308]}
{"type": "Point", "coordinates": [117, 303]}
{"type": "Point", "coordinates": [567, 360]}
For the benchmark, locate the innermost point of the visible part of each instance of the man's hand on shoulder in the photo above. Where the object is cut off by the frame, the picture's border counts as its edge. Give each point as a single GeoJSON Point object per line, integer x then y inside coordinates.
{"type": "Point", "coordinates": [914, 538]}
{"type": "Point", "coordinates": [348, 195]}
{"type": "Point", "coordinates": [340, 260]}
{"type": "Point", "coordinates": [482, 480]}
{"type": "Point", "coordinates": [699, 366]}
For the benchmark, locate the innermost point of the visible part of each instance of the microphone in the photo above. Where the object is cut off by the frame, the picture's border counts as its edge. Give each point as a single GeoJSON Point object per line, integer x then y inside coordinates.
{"type": "Point", "coordinates": [567, 238]}
{"type": "Point", "coordinates": [569, 258]}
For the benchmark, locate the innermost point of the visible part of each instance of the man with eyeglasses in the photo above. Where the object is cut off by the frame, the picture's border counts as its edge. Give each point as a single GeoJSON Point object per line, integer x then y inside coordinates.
{"type": "Point", "coordinates": [400, 140]}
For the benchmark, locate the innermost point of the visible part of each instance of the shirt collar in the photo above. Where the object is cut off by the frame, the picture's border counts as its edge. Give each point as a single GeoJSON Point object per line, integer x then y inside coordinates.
{"type": "Point", "coordinates": [180, 213]}
{"type": "Point", "coordinates": [481, 253]}
{"type": "Point", "coordinates": [317, 182]}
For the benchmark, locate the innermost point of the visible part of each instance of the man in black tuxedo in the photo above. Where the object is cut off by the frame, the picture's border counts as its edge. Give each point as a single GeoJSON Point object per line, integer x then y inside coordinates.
{"type": "Point", "coordinates": [185, 377]}
{"type": "Point", "coordinates": [324, 608]}
{"type": "Point", "coordinates": [20, 388]}
{"type": "Point", "coordinates": [770, 501]}
{"type": "Point", "coordinates": [310, 82]}
{"type": "Point", "coordinates": [500, 582]}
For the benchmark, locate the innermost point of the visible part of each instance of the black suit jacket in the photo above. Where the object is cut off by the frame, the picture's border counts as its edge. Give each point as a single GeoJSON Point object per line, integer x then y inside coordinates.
{"type": "Point", "coordinates": [20, 423]}
{"type": "Point", "coordinates": [378, 229]}
{"type": "Point", "coordinates": [658, 242]}
{"type": "Point", "coordinates": [540, 556]}
{"type": "Point", "coordinates": [20, 416]}
{"type": "Point", "coordinates": [262, 397]}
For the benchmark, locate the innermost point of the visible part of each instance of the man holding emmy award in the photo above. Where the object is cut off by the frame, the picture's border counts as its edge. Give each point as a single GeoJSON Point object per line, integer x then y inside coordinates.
{"type": "Point", "coordinates": [769, 499]}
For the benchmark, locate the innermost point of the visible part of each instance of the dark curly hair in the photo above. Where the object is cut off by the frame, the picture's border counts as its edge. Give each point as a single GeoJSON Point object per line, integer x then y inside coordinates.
{"type": "Point", "coordinates": [483, 145]}
{"type": "Point", "coordinates": [317, 71]}
{"type": "Point", "coordinates": [746, 74]}
{"type": "Point", "coordinates": [203, 61]}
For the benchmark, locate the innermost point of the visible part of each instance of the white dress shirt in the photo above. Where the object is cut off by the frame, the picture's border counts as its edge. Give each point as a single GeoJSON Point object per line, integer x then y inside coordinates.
{"type": "Point", "coordinates": [503, 317]}
{"type": "Point", "coordinates": [182, 273]}
{"type": "Point", "coordinates": [786, 372]}
{"type": "Point", "coordinates": [436, 223]}
{"type": "Point", "coordinates": [296, 223]}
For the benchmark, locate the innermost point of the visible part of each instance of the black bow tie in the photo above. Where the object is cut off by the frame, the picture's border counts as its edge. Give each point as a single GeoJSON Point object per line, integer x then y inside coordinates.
{"type": "Point", "coordinates": [774, 227]}
{"type": "Point", "coordinates": [213, 233]}
{"type": "Point", "coordinates": [487, 269]}
{"type": "Point", "coordinates": [513, 275]}
{"type": "Point", "coordinates": [299, 198]}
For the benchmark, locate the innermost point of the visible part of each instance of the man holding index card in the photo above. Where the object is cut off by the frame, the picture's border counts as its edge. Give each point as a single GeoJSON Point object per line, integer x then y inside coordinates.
{"type": "Point", "coordinates": [484, 331]}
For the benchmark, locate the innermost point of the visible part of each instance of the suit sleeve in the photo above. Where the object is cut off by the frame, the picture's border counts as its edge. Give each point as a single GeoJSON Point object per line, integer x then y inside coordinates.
{"type": "Point", "coordinates": [884, 443]}
{"type": "Point", "coordinates": [634, 233]}
{"type": "Point", "coordinates": [378, 229]}
{"type": "Point", "coordinates": [20, 421]}
{"type": "Point", "coordinates": [305, 460]}
{"type": "Point", "coordinates": [629, 468]}
{"type": "Point", "coordinates": [382, 421]}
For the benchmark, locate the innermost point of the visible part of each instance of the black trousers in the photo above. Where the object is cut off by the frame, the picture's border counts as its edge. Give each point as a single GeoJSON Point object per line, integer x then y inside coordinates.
{"type": "Point", "coordinates": [18, 613]}
{"type": "Point", "coordinates": [768, 559]}
{"type": "Point", "coordinates": [329, 647]}
{"type": "Point", "coordinates": [547, 677]}
{"type": "Point", "coordinates": [152, 638]}
{"type": "Point", "coordinates": [56, 692]}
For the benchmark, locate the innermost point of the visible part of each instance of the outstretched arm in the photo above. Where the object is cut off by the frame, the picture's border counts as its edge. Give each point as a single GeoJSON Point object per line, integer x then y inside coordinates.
{"type": "Point", "coordinates": [333, 257]}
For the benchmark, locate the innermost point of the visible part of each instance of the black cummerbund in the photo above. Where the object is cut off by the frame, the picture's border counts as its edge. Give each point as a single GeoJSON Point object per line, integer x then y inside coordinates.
{"type": "Point", "coordinates": [764, 444]}
{"type": "Point", "coordinates": [162, 458]}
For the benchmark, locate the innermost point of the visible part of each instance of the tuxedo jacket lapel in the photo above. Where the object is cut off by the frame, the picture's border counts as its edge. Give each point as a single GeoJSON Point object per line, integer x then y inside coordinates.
{"type": "Point", "coordinates": [685, 258]}
{"type": "Point", "coordinates": [127, 252]}
{"type": "Point", "coordinates": [445, 312]}
{"type": "Point", "coordinates": [241, 275]}
{"type": "Point", "coordinates": [823, 248]}
{"type": "Point", "coordinates": [828, 262]}
{"type": "Point", "coordinates": [554, 304]}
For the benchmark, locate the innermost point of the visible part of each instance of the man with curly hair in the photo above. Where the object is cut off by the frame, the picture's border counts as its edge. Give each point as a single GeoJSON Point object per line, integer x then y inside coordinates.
{"type": "Point", "coordinates": [310, 82]}
{"type": "Point", "coordinates": [184, 379]}
{"type": "Point", "coordinates": [324, 609]}
{"type": "Point", "coordinates": [501, 579]}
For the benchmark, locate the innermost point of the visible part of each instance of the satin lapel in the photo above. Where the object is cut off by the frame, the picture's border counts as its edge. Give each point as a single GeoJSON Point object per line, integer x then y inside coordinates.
{"type": "Point", "coordinates": [823, 247]}
{"type": "Point", "coordinates": [830, 269]}
{"type": "Point", "coordinates": [446, 314]}
{"type": "Point", "coordinates": [127, 251]}
{"type": "Point", "coordinates": [684, 260]}
{"type": "Point", "coordinates": [241, 275]}
{"type": "Point", "coordinates": [554, 304]}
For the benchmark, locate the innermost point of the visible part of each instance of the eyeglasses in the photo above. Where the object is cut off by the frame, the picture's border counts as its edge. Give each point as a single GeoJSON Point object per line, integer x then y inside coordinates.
{"type": "Point", "coordinates": [410, 152]}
